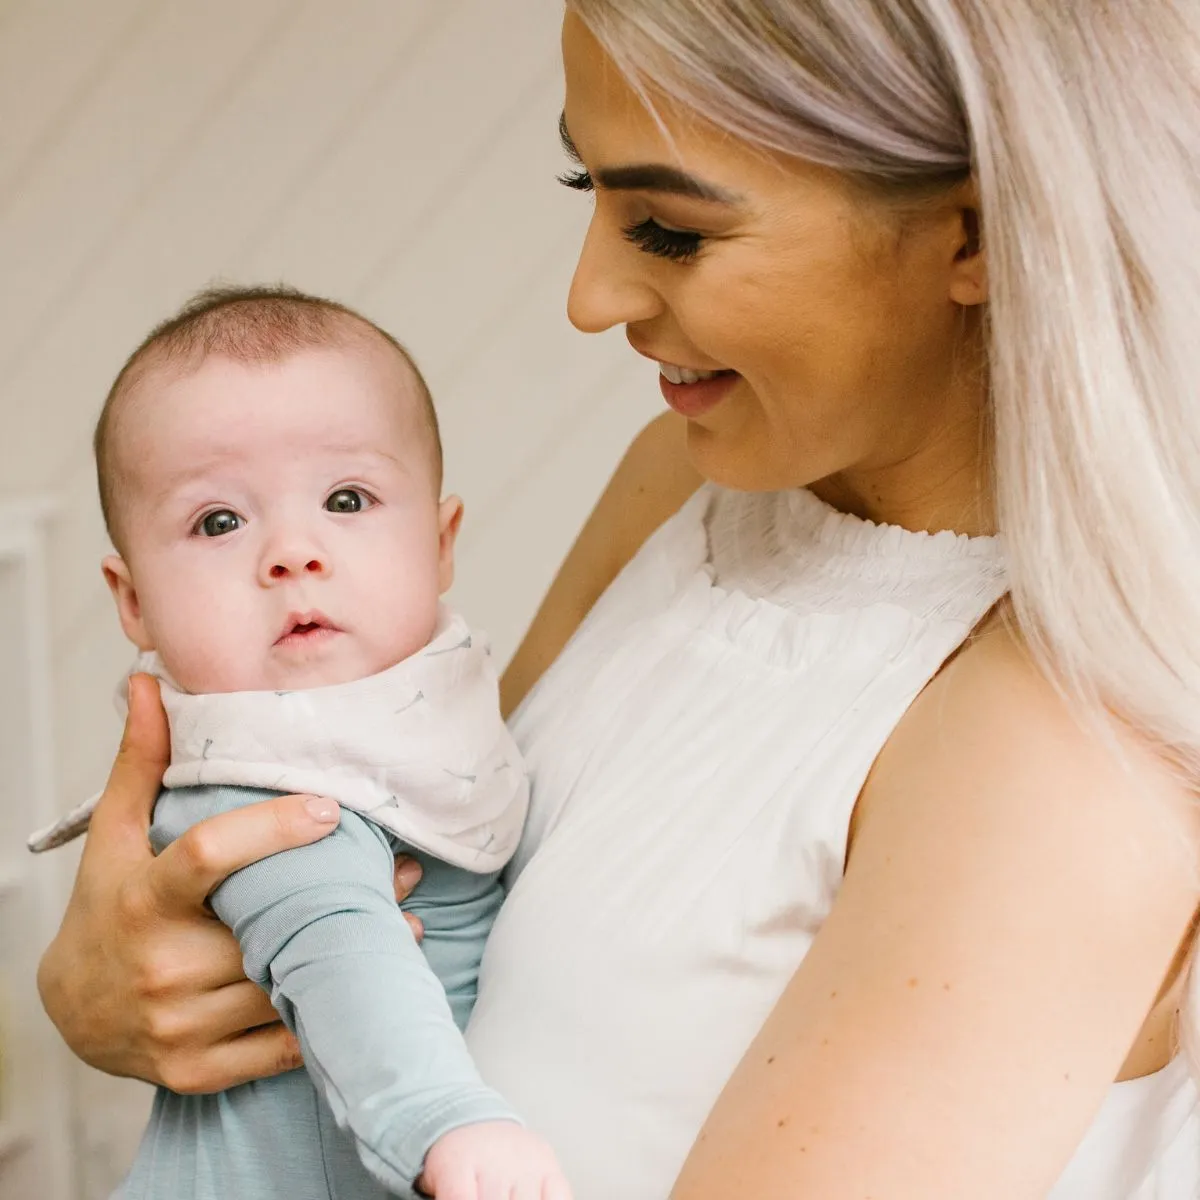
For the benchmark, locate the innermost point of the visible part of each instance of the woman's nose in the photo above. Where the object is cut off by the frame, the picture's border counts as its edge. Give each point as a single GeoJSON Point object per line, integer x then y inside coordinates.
{"type": "Point", "coordinates": [608, 289]}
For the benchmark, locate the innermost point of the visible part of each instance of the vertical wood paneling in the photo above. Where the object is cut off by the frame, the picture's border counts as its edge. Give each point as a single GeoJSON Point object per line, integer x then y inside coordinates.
{"type": "Point", "coordinates": [71, 48]}
{"type": "Point", "coordinates": [517, 543]}
{"type": "Point", "coordinates": [490, 239]}
{"type": "Point", "coordinates": [174, 77]}
{"type": "Point", "coordinates": [379, 188]}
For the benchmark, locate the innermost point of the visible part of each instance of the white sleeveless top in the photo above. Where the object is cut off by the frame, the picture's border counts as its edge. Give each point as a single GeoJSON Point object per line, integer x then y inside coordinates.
{"type": "Point", "coordinates": [696, 754]}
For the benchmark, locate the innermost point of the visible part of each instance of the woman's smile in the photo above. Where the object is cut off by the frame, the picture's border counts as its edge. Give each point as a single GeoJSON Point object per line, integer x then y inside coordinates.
{"type": "Point", "coordinates": [692, 393]}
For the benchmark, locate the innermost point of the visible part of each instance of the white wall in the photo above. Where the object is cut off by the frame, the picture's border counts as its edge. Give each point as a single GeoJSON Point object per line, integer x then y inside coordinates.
{"type": "Point", "coordinates": [395, 154]}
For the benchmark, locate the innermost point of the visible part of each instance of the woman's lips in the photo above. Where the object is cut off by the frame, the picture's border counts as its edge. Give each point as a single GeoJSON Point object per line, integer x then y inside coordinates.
{"type": "Point", "coordinates": [695, 399]}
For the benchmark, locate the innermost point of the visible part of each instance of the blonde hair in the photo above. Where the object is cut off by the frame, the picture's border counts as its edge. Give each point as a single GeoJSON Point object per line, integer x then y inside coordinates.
{"type": "Point", "coordinates": [1080, 122]}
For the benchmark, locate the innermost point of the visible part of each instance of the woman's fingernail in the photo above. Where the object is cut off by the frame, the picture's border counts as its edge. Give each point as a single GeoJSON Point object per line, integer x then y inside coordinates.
{"type": "Point", "coordinates": [321, 809]}
{"type": "Point", "coordinates": [408, 873]}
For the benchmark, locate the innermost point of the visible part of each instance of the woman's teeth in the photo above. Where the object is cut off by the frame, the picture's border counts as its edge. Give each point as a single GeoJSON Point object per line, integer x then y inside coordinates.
{"type": "Point", "coordinates": [674, 374]}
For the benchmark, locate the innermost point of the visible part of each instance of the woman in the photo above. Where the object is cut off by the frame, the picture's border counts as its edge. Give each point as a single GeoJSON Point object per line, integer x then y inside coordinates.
{"type": "Point", "coordinates": [847, 875]}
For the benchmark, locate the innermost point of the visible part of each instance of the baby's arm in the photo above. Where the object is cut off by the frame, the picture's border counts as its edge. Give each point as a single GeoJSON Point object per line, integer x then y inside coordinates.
{"type": "Point", "coordinates": [322, 934]}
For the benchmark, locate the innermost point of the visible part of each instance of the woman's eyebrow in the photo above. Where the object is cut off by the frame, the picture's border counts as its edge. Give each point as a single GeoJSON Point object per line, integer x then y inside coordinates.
{"type": "Point", "coordinates": [648, 177]}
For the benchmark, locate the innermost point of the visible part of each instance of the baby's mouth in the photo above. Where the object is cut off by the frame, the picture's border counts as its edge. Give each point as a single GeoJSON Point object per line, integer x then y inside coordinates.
{"type": "Point", "coordinates": [305, 627]}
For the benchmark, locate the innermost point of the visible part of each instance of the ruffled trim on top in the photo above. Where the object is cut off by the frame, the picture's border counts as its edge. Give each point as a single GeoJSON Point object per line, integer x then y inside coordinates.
{"type": "Point", "coordinates": [794, 550]}
{"type": "Point", "coordinates": [817, 521]}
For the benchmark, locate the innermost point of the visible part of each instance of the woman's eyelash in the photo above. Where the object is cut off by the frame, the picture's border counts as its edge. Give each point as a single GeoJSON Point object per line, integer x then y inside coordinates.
{"type": "Point", "coordinates": [654, 238]}
{"type": "Point", "coordinates": [579, 181]}
{"type": "Point", "coordinates": [647, 235]}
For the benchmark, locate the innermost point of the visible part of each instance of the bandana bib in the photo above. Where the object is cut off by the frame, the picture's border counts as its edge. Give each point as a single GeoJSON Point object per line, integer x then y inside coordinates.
{"type": "Point", "coordinates": [419, 749]}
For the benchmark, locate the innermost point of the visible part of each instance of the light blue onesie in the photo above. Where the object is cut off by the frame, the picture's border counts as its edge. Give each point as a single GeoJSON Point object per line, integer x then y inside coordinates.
{"type": "Point", "coordinates": [387, 1069]}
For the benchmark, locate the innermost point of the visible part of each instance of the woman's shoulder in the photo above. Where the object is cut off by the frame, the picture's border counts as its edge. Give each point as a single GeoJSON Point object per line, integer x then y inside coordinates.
{"type": "Point", "coordinates": [995, 717]}
{"type": "Point", "coordinates": [650, 484]}
{"type": "Point", "coordinates": [994, 755]}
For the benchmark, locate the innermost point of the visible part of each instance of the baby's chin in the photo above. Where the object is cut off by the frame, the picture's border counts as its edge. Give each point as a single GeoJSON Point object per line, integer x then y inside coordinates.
{"type": "Point", "coordinates": [291, 669]}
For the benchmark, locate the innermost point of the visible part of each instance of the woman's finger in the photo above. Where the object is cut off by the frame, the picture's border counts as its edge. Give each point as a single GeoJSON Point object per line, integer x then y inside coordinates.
{"type": "Point", "coordinates": [186, 872]}
{"type": "Point", "coordinates": [235, 1009]}
{"type": "Point", "coordinates": [189, 960]}
{"type": "Point", "coordinates": [123, 814]}
{"type": "Point", "coordinates": [270, 1050]}
{"type": "Point", "coordinates": [408, 875]}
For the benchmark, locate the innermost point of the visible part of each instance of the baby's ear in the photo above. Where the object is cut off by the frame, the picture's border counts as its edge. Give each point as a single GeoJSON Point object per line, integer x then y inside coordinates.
{"type": "Point", "coordinates": [450, 515]}
{"type": "Point", "coordinates": [120, 583]}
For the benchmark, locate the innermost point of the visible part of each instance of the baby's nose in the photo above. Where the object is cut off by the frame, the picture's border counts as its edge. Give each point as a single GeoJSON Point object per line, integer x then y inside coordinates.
{"type": "Point", "coordinates": [283, 568]}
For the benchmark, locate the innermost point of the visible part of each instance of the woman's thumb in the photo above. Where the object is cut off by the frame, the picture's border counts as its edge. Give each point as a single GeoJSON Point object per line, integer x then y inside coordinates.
{"type": "Point", "coordinates": [144, 754]}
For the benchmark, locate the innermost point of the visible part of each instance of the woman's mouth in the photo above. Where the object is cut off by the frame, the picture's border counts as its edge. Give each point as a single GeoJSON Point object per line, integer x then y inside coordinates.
{"type": "Point", "coordinates": [690, 392]}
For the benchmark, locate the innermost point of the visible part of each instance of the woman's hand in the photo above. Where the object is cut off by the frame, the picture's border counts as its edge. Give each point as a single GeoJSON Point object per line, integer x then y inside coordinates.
{"type": "Point", "coordinates": [142, 979]}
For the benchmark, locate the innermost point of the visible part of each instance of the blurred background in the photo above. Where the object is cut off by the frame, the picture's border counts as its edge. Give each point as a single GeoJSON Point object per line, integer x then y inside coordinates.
{"type": "Point", "coordinates": [398, 155]}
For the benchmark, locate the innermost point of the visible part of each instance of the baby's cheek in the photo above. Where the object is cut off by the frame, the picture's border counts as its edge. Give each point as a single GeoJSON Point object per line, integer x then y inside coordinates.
{"type": "Point", "coordinates": [208, 643]}
{"type": "Point", "coordinates": [211, 666]}
{"type": "Point", "coordinates": [406, 614]}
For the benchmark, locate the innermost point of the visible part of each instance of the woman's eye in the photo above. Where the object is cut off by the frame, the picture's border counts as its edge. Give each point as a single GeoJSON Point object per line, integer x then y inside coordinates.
{"type": "Point", "coordinates": [656, 239]}
{"type": "Point", "coordinates": [577, 181]}
{"type": "Point", "coordinates": [219, 523]}
{"type": "Point", "coordinates": [348, 500]}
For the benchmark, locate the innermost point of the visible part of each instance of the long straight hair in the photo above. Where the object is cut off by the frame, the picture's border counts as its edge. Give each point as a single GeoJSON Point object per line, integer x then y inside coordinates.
{"type": "Point", "coordinates": [1080, 121]}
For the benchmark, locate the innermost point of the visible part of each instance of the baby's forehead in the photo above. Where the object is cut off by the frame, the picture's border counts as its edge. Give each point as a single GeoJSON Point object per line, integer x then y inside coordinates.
{"type": "Point", "coordinates": [351, 386]}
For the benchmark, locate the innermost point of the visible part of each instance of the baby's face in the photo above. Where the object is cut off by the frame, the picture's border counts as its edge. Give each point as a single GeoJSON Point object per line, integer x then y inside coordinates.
{"type": "Point", "coordinates": [281, 522]}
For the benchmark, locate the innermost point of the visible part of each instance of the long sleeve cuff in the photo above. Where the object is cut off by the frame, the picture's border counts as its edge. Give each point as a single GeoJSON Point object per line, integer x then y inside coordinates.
{"type": "Point", "coordinates": [405, 1148]}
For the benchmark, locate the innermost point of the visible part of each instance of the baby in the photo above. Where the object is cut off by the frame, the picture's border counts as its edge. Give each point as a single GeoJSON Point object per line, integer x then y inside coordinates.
{"type": "Point", "coordinates": [270, 473]}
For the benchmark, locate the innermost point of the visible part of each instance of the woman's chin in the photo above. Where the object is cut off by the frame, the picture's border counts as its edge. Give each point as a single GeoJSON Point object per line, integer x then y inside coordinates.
{"type": "Point", "coordinates": [744, 457]}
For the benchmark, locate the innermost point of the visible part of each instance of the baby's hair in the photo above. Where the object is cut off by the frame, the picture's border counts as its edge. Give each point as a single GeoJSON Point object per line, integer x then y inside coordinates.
{"type": "Point", "coordinates": [250, 325]}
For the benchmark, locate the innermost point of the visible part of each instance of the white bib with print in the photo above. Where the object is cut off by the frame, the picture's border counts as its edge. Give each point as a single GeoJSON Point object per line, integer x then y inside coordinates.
{"type": "Point", "coordinates": [420, 749]}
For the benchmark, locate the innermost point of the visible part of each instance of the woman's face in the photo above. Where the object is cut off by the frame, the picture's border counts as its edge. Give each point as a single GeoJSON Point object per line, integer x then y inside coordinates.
{"type": "Point", "coordinates": [843, 334]}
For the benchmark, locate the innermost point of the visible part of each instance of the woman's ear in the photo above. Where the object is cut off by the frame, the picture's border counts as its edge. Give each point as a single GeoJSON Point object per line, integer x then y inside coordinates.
{"type": "Point", "coordinates": [120, 583]}
{"type": "Point", "coordinates": [969, 278]}
{"type": "Point", "coordinates": [450, 514]}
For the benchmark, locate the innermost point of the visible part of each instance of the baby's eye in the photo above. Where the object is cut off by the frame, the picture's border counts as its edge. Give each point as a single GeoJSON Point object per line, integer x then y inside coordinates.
{"type": "Point", "coordinates": [348, 500]}
{"type": "Point", "coordinates": [219, 523]}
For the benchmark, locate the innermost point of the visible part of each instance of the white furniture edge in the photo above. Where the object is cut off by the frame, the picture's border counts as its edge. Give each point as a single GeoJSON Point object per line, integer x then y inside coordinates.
{"type": "Point", "coordinates": [23, 528]}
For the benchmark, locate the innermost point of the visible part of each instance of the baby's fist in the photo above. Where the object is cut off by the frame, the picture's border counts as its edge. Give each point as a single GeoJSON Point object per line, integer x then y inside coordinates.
{"type": "Point", "coordinates": [493, 1160]}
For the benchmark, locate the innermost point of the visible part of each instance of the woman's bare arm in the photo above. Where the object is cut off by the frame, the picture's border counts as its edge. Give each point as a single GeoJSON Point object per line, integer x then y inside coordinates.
{"type": "Point", "coordinates": [651, 483]}
{"type": "Point", "coordinates": [1015, 896]}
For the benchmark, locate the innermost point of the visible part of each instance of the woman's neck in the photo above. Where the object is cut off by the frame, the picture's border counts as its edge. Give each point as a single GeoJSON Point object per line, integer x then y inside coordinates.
{"type": "Point", "coordinates": [944, 484]}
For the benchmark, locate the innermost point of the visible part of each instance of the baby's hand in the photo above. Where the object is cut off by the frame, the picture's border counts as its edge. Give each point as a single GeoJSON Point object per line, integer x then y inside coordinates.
{"type": "Point", "coordinates": [493, 1160]}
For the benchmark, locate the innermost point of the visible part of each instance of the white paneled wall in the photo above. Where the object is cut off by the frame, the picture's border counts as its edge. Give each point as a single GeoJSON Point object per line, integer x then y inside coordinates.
{"type": "Point", "coordinates": [398, 155]}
